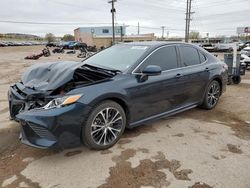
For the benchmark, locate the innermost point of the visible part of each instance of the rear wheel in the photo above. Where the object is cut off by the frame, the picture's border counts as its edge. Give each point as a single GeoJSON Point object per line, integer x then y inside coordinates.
{"type": "Point", "coordinates": [236, 79]}
{"type": "Point", "coordinates": [104, 126]}
{"type": "Point", "coordinates": [212, 95]}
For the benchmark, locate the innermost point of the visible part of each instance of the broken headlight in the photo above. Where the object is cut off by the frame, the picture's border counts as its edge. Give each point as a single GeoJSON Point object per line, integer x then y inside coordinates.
{"type": "Point", "coordinates": [63, 101]}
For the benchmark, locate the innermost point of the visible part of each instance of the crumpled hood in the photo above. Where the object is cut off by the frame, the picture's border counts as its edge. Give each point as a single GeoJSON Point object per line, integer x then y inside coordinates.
{"type": "Point", "coordinates": [49, 76]}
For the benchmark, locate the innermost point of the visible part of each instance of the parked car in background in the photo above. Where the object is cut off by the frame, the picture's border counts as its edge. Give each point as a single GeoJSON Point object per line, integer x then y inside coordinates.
{"type": "Point", "coordinates": [51, 44]}
{"type": "Point", "coordinates": [244, 45]}
{"type": "Point", "coordinates": [126, 85]}
{"type": "Point", "coordinates": [208, 47]}
{"type": "Point", "coordinates": [245, 56]}
{"type": "Point", "coordinates": [77, 45]}
{"type": "Point", "coordinates": [2, 44]}
{"type": "Point", "coordinates": [225, 47]}
{"type": "Point", "coordinates": [67, 45]}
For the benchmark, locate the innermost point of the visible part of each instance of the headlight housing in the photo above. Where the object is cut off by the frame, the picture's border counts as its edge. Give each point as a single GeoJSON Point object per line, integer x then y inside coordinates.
{"type": "Point", "coordinates": [63, 101]}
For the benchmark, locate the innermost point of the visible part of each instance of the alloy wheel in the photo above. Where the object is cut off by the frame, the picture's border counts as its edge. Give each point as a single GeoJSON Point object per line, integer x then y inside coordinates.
{"type": "Point", "coordinates": [213, 94]}
{"type": "Point", "coordinates": [106, 126]}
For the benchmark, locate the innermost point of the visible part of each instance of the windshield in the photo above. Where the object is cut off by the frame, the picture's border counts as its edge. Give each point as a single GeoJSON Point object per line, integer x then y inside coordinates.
{"type": "Point", "coordinates": [118, 57]}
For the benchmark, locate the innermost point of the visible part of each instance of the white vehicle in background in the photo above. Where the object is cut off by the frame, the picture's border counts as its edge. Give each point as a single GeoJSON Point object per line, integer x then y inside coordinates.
{"type": "Point", "coordinates": [245, 56]}
{"type": "Point", "coordinates": [225, 47]}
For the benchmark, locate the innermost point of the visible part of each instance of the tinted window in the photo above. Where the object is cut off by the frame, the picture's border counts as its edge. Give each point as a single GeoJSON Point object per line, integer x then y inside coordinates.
{"type": "Point", "coordinates": [202, 57]}
{"type": "Point", "coordinates": [165, 57]}
{"type": "Point", "coordinates": [189, 56]}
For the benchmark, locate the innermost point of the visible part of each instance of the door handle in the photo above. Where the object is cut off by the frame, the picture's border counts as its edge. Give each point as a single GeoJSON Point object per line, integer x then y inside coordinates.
{"type": "Point", "coordinates": [178, 75]}
{"type": "Point", "coordinates": [207, 69]}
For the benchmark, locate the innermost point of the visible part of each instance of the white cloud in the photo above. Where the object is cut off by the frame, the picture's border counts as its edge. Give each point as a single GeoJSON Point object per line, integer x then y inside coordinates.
{"type": "Point", "coordinates": [219, 17]}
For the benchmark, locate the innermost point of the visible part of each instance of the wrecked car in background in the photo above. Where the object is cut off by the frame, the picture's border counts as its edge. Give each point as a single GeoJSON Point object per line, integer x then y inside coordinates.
{"type": "Point", "coordinates": [245, 56]}
{"type": "Point", "coordinates": [64, 104]}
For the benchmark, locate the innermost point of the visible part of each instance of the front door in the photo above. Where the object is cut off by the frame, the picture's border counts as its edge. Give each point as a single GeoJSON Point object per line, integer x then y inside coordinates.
{"type": "Point", "coordinates": [156, 94]}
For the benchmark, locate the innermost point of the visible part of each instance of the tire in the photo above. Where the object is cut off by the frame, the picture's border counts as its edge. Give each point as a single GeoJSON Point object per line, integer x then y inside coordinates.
{"type": "Point", "coordinates": [230, 80]}
{"type": "Point", "coordinates": [99, 133]}
{"type": "Point", "coordinates": [236, 79]}
{"type": "Point", "coordinates": [212, 95]}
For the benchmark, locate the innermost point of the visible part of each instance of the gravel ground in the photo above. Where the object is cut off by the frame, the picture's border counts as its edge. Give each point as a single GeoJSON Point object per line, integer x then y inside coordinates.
{"type": "Point", "coordinates": [196, 149]}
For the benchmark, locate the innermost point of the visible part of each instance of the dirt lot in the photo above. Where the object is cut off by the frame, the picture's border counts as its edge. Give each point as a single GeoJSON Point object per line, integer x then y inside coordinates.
{"type": "Point", "coordinates": [196, 149]}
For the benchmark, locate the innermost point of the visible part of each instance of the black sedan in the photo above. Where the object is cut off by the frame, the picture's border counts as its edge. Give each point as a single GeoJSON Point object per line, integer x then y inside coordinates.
{"type": "Point", "coordinates": [64, 104]}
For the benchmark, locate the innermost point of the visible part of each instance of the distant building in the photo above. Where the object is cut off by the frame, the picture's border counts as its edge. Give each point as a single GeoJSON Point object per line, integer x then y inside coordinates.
{"type": "Point", "coordinates": [102, 36]}
{"type": "Point", "coordinates": [99, 31]}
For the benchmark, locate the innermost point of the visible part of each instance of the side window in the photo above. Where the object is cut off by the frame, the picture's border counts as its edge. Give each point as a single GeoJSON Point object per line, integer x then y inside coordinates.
{"type": "Point", "coordinates": [189, 56]}
{"type": "Point", "coordinates": [202, 57]}
{"type": "Point", "coordinates": [105, 31]}
{"type": "Point", "coordinates": [165, 57]}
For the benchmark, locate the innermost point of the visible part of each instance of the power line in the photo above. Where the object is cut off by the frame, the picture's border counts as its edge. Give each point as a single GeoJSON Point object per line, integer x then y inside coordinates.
{"type": "Point", "coordinates": [50, 23]}
{"type": "Point", "coordinates": [82, 23]}
{"type": "Point", "coordinates": [218, 3]}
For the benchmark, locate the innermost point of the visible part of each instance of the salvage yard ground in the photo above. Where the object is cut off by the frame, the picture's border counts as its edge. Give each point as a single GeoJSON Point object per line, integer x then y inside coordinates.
{"type": "Point", "coordinates": [197, 148]}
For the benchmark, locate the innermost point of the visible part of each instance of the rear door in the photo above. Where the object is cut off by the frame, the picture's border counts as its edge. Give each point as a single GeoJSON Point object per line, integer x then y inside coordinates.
{"type": "Point", "coordinates": [195, 73]}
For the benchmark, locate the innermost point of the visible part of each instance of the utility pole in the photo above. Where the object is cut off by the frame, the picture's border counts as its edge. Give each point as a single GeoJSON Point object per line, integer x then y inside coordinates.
{"type": "Point", "coordinates": [186, 36]}
{"type": "Point", "coordinates": [121, 29]}
{"type": "Point", "coordinates": [188, 19]}
{"type": "Point", "coordinates": [163, 31]}
{"type": "Point", "coordinates": [138, 31]}
{"type": "Point", "coordinates": [113, 19]}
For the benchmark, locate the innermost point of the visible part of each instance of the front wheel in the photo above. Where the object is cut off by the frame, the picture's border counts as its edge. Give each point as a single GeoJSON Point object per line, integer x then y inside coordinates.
{"type": "Point", "coordinates": [104, 126]}
{"type": "Point", "coordinates": [212, 95]}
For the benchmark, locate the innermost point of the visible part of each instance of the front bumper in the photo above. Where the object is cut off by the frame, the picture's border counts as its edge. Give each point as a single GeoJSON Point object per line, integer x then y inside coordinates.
{"type": "Point", "coordinates": [22, 98]}
{"type": "Point", "coordinates": [53, 128]}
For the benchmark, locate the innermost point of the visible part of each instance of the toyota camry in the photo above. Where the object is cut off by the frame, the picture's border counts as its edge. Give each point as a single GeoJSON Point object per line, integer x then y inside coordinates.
{"type": "Point", "coordinates": [64, 104]}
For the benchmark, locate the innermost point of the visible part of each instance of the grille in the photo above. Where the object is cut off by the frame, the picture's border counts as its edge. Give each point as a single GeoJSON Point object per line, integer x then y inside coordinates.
{"type": "Point", "coordinates": [42, 132]}
{"type": "Point", "coordinates": [15, 109]}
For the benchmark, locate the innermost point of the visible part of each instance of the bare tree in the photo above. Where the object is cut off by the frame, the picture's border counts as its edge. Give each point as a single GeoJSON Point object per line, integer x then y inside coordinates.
{"type": "Point", "coordinates": [50, 37]}
{"type": "Point", "coordinates": [68, 37]}
{"type": "Point", "coordinates": [194, 35]}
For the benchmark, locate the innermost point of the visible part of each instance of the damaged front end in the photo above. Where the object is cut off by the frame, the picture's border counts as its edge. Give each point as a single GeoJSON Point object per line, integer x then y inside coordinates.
{"type": "Point", "coordinates": [38, 101]}
{"type": "Point", "coordinates": [22, 99]}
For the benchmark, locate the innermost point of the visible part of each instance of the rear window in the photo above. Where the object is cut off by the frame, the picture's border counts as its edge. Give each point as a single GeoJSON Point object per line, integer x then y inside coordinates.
{"type": "Point", "coordinates": [190, 56]}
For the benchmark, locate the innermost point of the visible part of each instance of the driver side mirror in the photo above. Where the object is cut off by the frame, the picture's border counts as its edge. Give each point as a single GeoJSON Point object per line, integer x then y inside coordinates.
{"type": "Point", "coordinates": [152, 70]}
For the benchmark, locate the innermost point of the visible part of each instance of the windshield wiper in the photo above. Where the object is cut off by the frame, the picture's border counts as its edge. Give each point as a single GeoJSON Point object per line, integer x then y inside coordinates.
{"type": "Point", "coordinates": [103, 69]}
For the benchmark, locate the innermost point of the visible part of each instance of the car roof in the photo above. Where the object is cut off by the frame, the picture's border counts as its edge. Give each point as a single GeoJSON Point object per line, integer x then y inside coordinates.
{"type": "Point", "coordinates": [156, 44]}
{"type": "Point", "coordinates": [152, 43]}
